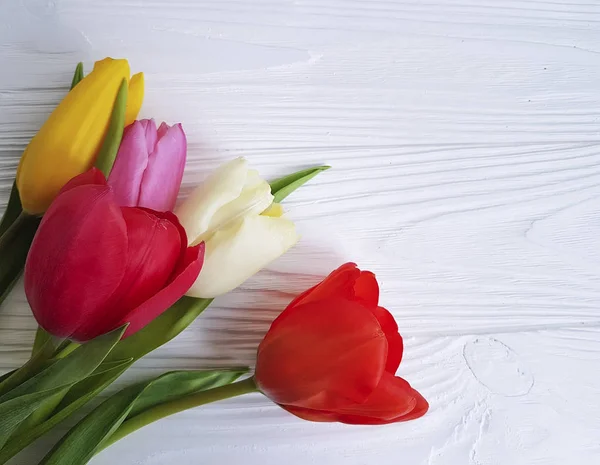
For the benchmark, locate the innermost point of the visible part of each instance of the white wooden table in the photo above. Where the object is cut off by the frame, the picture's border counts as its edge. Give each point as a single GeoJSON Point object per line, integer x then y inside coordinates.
{"type": "Point", "coordinates": [465, 141]}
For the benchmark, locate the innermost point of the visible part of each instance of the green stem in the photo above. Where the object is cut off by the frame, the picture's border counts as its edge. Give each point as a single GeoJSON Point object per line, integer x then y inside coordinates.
{"type": "Point", "coordinates": [158, 412]}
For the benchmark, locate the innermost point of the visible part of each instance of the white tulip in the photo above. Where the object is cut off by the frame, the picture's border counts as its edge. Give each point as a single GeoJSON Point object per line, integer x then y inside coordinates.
{"type": "Point", "coordinates": [233, 212]}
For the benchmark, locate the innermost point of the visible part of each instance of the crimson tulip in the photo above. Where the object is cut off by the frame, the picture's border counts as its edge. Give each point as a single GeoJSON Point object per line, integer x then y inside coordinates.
{"type": "Point", "coordinates": [333, 353]}
{"type": "Point", "coordinates": [94, 266]}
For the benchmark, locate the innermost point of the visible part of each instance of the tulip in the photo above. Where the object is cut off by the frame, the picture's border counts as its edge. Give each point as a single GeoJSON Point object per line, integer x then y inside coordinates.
{"type": "Point", "coordinates": [333, 353]}
{"type": "Point", "coordinates": [94, 266]}
{"type": "Point", "coordinates": [67, 143]}
{"type": "Point", "coordinates": [233, 212]}
{"type": "Point", "coordinates": [149, 166]}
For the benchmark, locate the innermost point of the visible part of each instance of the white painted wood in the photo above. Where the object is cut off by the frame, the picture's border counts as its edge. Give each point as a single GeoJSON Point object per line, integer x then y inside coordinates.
{"type": "Point", "coordinates": [465, 140]}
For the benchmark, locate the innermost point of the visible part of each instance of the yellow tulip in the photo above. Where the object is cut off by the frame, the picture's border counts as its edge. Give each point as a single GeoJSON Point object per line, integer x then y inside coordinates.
{"type": "Point", "coordinates": [67, 144]}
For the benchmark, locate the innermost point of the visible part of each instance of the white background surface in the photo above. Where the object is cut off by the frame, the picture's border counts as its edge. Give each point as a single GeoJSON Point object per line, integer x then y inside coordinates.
{"type": "Point", "coordinates": [465, 141]}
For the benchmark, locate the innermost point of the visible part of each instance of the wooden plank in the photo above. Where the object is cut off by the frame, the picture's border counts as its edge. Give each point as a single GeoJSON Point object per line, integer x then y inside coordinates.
{"type": "Point", "coordinates": [464, 136]}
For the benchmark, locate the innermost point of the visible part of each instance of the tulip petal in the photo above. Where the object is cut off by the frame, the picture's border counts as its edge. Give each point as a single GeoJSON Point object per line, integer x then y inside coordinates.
{"type": "Point", "coordinates": [132, 160]}
{"type": "Point", "coordinates": [182, 234]}
{"type": "Point", "coordinates": [395, 396]}
{"type": "Point", "coordinates": [76, 261]}
{"type": "Point", "coordinates": [339, 283]}
{"type": "Point", "coordinates": [311, 415]}
{"type": "Point", "coordinates": [150, 132]}
{"type": "Point", "coordinates": [93, 176]}
{"type": "Point", "coordinates": [418, 410]}
{"type": "Point", "coordinates": [242, 249]}
{"type": "Point", "coordinates": [163, 129]}
{"type": "Point", "coordinates": [366, 289]}
{"type": "Point", "coordinates": [220, 190]}
{"type": "Point", "coordinates": [153, 253]}
{"type": "Point", "coordinates": [166, 162]}
{"type": "Point", "coordinates": [392, 398]}
{"type": "Point", "coordinates": [221, 187]}
{"type": "Point", "coordinates": [395, 343]}
{"type": "Point", "coordinates": [135, 98]}
{"type": "Point", "coordinates": [350, 283]}
{"type": "Point", "coordinates": [187, 272]}
{"type": "Point", "coordinates": [254, 198]}
{"type": "Point", "coordinates": [328, 354]}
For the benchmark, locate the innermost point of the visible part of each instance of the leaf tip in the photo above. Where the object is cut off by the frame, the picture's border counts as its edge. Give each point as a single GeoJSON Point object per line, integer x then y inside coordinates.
{"type": "Point", "coordinates": [78, 76]}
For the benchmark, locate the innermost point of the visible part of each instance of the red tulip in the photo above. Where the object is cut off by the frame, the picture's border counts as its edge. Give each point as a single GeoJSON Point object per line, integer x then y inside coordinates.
{"type": "Point", "coordinates": [333, 353]}
{"type": "Point", "coordinates": [94, 266]}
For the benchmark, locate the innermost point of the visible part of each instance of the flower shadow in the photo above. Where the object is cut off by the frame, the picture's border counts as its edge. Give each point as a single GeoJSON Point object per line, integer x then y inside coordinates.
{"type": "Point", "coordinates": [231, 329]}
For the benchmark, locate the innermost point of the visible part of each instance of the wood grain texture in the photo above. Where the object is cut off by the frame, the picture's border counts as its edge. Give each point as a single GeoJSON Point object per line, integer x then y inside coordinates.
{"type": "Point", "coordinates": [465, 141]}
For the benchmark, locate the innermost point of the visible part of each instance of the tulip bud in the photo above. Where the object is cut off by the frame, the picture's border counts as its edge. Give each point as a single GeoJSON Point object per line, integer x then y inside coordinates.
{"type": "Point", "coordinates": [231, 211]}
{"type": "Point", "coordinates": [94, 266]}
{"type": "Point", "coordinates": [332, 355]}
{"type": "Point", "coordinates": [69, 140]}
{"type": "Point", "coordinates": [149, 165]}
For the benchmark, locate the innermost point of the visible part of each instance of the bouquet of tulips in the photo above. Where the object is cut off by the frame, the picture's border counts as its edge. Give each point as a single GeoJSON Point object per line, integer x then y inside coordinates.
{"type": "Point", "coordinates": [114, 268]}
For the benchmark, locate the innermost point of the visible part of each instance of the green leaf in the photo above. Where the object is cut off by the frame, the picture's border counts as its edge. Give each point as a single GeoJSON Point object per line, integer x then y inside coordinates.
{"type": "Point", "coordinates": [79, 446]}
{"type": "Point", "coordinates": [41, 413]}
{"type": "Point", "coordinates": [114, 134]}
{"type": "Point", "coordinates": [13, 209]}
{"type": "Point", "coordinates": [78, 76]}
{"type": "Point", "coordinates": [174, 385]}
{"type": "Point", "coordinates": [282, 187]}
{"type": "Point", "coordinates": [158, 332]}
{"type": "Point", "coordinates": [87, 437]}
{"type": "Point", "coordinates": [79, 395]}
{"type": "Point", "coordinates": [52, 383]}
{"type": "Point", "coordinates": [67, 371]}
{"type": "Point", "coordinates": [15, 411]}
{"type": "Point", "coordinates": [49, 406]}
{"type": "Point", "coordinates": [105, 374]}
{"type": "Point", "coordinates": [161, 330]}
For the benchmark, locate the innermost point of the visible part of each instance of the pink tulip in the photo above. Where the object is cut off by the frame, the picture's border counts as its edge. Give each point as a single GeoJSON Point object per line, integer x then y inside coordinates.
{"type": "Point", "coordinates": [149, 165]}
